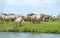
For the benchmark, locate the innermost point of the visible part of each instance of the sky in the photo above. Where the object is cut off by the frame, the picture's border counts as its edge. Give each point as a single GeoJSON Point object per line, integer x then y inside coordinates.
{"type": "Point", "coordinates": [23, 7]}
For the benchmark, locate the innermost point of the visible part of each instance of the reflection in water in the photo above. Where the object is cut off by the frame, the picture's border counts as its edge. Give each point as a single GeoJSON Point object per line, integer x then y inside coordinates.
{"type": "Point", "coordinates": [27, 35]}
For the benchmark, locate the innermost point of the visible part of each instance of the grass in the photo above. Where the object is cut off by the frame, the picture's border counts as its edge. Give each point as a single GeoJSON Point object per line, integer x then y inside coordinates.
{"type": "Point", "coordinates": [51, 26]}
{"type": "Point", "coordinates": [47, 26]}
{"type": "Point", "coordinates": [5, 26]}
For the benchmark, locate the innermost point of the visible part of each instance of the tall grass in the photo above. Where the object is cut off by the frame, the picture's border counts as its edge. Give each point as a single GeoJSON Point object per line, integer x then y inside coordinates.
{"type": "Point", "coordinates": [28, 26]}
{"type": "Point", "coordinates": [49, 26]}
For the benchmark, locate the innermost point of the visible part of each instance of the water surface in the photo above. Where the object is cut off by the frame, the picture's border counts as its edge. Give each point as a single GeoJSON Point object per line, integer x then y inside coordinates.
{"type": "Point", "coordinates": [28, 35]}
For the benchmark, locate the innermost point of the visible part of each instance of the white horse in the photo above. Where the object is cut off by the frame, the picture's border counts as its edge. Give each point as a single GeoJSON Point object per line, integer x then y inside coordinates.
{"type": "Point", "coordinates": [5, 18]}
{"type": "Point", "coordinates": [9, 17]}
{"type": "Point", "coordinates": [36, 18]}
{"type": "Point", "coordinates": [18, 20]}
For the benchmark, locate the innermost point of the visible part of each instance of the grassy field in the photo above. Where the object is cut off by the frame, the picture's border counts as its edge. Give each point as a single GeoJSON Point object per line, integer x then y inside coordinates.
{"type": "Point", "coordinates": [27, 26]}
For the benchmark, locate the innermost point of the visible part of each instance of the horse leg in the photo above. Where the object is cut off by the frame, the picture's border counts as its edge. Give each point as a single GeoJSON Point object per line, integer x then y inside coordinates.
{"type": "Point", "coordinates": [3, 21]}
{"type": "Point", "coordinates": [33, 21]}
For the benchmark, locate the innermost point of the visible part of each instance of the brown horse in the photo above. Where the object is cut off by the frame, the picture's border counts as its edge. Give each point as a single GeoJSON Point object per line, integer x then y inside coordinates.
{"type": "Point", "coordinates": [47, 18]}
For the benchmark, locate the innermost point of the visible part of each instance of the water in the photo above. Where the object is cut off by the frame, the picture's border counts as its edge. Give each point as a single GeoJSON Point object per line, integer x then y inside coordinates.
{"type": "Point", "coordinates": [28, 35]}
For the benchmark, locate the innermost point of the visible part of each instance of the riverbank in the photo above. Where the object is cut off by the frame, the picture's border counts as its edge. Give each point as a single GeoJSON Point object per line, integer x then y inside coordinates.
{"type": "Point", "coordinates": [45, 27]}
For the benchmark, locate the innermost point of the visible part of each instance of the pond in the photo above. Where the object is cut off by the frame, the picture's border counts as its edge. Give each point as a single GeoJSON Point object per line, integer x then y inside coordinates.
{"type": "Point", "coordinates": [27, 35]}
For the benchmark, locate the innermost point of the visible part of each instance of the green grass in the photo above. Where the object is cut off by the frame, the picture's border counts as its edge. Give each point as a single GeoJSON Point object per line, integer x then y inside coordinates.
{"type": "Point", "coordinates": [51, 26]}
{"type": "Point", "coordinates": [5, 25]}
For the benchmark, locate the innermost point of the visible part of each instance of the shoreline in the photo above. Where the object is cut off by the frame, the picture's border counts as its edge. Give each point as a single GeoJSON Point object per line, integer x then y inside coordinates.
{"type": "Point", "coordinates": [37, 31]}
{"type": "Point", "coordinates": [33, 31]}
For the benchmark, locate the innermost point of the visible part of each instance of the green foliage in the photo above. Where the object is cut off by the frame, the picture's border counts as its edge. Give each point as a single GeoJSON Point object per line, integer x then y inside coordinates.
{"type": "Point", "coordinates": [56, 19]}
{"type": "Point", "coordinates": [51, 26]}
{"type": "Point", "coordinates": [27, 26]}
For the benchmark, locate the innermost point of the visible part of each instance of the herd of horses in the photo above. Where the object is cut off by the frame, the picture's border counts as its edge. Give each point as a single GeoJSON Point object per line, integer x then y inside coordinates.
{"type": "Point", "coordinates": [18, 19]}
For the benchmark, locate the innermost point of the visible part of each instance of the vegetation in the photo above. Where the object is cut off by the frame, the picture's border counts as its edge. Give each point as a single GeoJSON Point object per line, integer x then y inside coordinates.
{"type": "Point", "coordinates": [27, 26]}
